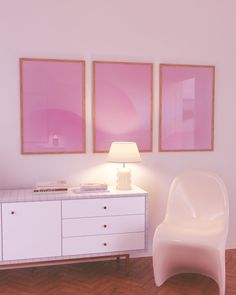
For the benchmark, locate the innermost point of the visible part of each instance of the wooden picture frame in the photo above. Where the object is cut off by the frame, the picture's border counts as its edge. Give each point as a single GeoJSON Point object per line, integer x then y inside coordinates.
{"type": "Point", "coordinates": [186, 110]}
{"type": "Point", "coordinates": [52, 93]}
{"type": "Point", "coordinates": [122, 104]}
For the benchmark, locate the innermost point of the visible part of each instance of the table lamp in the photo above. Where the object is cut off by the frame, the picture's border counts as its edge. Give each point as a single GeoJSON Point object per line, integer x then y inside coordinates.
{"type": "Point", "coordinates": [123, 152]}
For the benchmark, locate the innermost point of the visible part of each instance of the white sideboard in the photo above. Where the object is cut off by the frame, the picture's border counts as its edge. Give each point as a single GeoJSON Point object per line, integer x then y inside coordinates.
{"type": "Point", "coordinates": [0, 236]}
{"type": "Point", "coordinates": [37, 228]}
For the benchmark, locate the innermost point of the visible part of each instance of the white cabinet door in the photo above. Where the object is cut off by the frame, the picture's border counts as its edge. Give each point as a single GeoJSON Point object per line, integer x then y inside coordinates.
{"type": "Point", "coordinates": [31, 230]}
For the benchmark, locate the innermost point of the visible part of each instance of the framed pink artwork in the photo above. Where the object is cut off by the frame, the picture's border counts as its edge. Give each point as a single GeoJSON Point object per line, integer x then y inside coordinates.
{"type": "Point", "coordinates": [52, 106]}
{"type": "Point", "coordinates": [122, 104]}
{"type": "Point", "coordinates": [186, 111]}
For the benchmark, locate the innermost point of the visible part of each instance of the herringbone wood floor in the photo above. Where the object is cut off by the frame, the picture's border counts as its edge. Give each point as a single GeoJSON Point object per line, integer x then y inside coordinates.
{"type": "Point", "coordinates": [102, 278]}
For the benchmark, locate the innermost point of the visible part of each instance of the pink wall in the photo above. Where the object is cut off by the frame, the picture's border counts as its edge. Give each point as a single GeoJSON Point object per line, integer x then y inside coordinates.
{"type": "Point", "coordinates": [183, 31]}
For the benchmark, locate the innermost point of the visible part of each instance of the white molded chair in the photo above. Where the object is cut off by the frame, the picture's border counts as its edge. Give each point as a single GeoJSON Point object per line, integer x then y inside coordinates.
{"type": "Point", "coordinates": [193, 234]}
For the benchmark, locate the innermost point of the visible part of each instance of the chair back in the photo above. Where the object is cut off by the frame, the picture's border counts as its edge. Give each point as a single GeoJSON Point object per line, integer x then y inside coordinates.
{"type": "Point", "coordinates": [198, 198]}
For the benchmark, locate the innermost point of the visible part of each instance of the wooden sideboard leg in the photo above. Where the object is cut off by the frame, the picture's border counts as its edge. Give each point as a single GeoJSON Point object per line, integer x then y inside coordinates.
{"type": "Point", "coordinates": [118, 262]}
{"type": "Point", "coordinates": [127, 264]}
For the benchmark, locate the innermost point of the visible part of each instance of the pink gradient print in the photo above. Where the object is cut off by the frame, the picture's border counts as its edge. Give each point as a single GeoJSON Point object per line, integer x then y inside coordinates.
{"type": "Point", "coordinates": [122, 104]}
{"type": "Point", "coordinates": [186, 107]}
{"type": "Point", "coordinates": [52, 106]}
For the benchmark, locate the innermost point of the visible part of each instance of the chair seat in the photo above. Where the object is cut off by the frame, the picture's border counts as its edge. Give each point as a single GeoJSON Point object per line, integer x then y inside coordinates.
{"type": "Point", "coordinates": [213, 234]}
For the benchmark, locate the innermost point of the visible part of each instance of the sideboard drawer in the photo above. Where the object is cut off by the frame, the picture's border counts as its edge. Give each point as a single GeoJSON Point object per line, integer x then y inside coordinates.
{"type": "Point", "coordinates": [103, 243]}
{"type": "Point", "coordinates": [103, 207]}
{"type": "Point", "coordinates": [103, 225]}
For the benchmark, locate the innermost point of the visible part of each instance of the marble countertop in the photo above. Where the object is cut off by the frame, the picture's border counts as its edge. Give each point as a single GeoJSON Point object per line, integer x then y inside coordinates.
{"type": "Point", "coordinates": [27, 195]}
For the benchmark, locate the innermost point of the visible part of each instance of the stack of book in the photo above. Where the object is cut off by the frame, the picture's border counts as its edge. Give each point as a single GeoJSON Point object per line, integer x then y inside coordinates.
{"type": "Point", "coordinates": [91, 187]}
{"type": "Point", "coordinates": [59, 186]}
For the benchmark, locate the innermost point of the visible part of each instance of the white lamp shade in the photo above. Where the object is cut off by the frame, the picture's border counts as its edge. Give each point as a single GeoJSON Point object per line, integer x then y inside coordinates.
{"type": "Point", "coordinates": [123, 152]}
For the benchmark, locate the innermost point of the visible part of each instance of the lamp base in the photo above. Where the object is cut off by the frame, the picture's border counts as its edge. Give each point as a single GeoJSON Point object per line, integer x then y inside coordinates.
{"type": "Point", "coordinates": [123, 179]}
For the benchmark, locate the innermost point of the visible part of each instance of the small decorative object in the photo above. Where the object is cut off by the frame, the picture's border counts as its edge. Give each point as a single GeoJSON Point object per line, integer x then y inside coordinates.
{"type": "Point", "coordinates": [122, 104]}
{"type": "Point", "coordinates": [186, 108]}
{"type": "Point", "coordinates": [52, 106]}
{"type": "Point", "coordinates": [123, 152]}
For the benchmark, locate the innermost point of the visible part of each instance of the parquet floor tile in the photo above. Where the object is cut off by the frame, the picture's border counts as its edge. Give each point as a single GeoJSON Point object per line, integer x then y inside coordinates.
{"type": "Point", "coordinates": [102, 278]}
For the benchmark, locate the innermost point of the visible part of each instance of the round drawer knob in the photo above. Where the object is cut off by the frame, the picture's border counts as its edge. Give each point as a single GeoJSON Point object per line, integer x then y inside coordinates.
{"type": "Point", "coordinates": [104, 207]}
{"type": "Point", "coordinates": [104, 244]}
{"type": "Point", "coordinates": [12, 212]}
{"type": "Point", "coordinates": [104, 225]}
